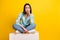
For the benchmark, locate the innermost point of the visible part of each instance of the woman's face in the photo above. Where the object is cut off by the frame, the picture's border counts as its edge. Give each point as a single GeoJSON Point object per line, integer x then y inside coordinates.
{"type": "Point", "coordinates": [27, 9]}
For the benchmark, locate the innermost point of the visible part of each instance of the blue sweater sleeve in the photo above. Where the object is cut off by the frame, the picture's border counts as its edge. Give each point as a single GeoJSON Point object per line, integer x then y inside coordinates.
{"type": "Point", "coordinates": [31, 19]}
{"type": "Point", "coordinates": [18, 19]}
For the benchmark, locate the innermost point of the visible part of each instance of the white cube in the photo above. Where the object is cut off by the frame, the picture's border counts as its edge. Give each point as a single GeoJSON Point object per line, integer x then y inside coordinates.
{"type": "Point", "coordinates": [19, 36]}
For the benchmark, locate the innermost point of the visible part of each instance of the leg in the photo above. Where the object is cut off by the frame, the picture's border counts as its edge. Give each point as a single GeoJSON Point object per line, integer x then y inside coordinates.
{"type": "Point", "coordinates": [30, 27]}
{"type": "Point", "coordinates": [17, 27]}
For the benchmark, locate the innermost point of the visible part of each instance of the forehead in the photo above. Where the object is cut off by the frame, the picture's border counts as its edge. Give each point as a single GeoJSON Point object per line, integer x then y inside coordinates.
{"type": "Point", "coordinates": [27, 6]}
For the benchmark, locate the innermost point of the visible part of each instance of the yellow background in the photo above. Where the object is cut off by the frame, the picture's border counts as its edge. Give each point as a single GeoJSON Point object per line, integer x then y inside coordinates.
{"type": "Point", "coordinates": [46, 13]}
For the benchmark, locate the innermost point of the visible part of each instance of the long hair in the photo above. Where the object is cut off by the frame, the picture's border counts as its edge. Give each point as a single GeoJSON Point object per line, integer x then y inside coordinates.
{"type": "Point", "coordinates": [24, 8]}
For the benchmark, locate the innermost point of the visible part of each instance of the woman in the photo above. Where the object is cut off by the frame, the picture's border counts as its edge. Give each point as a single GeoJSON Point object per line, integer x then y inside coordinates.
{"type": "Point", "coordinates": [25, 20]}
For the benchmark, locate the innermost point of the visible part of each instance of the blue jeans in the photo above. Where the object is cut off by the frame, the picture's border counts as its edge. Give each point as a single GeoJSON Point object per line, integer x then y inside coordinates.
{"type": "Point", "coordinates": [30, 27]}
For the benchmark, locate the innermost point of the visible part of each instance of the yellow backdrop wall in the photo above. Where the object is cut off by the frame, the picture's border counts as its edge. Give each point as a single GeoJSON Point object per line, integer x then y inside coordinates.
{"type": "Point", "coordinates": [46, 13]}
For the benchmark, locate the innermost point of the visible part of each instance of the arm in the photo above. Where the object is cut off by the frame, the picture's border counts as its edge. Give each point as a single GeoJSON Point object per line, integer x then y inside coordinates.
{"type": "Point", "coordinates": [18, 20]}
{"type": "Point", "coordinates": [31, 19]}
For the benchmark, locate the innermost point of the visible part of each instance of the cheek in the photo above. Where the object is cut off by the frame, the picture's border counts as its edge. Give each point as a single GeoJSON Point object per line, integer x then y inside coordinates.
{"type": "Point", "coordinates": [25, 9]}
{"type": "Point", "coordinates": [29, 9]}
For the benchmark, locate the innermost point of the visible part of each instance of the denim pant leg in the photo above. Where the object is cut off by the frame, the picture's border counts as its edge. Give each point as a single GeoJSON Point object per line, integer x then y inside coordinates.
{"type": "Point", "coordinates": [30, 27]}
{"type": "Point", "coordinates": [17, 27]}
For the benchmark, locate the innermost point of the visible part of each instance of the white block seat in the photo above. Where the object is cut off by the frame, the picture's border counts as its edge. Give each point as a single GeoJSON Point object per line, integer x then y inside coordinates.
{"type": "Point", "coordinates": [20, 36]}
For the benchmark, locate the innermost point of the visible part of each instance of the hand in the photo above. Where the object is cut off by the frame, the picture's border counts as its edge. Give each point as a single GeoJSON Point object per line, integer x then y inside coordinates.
{"type": "Point", "coordinates": [29, 14]}
{"type": "Point", "coordinates": [25, 30]}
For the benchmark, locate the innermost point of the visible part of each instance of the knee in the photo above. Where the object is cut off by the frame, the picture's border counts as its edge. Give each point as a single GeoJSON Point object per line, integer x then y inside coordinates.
{"type": "Point", "coordinates": [34, 25]}
{"type": "Point", "coordinates": [14, 25]}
